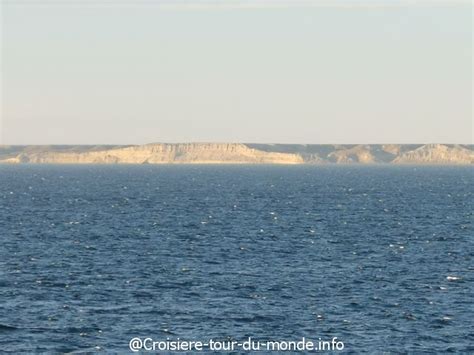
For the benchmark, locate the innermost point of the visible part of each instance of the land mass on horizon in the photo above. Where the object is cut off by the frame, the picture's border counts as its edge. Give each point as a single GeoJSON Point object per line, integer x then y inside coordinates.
{"type": "Point", "coordinates": [239, 153]}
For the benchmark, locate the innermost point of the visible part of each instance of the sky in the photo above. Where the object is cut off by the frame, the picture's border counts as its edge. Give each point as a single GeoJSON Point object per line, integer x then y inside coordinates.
{"type": "Point", "coordinates": [255, 71]}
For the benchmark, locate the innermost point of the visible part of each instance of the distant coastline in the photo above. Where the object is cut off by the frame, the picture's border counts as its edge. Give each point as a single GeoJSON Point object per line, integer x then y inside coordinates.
{"type": "Point", "coordinates": [240, 153]}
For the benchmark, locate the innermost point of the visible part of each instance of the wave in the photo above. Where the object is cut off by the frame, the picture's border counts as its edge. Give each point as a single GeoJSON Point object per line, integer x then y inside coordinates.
{"type": "Point", "coordinates": [4, 327]}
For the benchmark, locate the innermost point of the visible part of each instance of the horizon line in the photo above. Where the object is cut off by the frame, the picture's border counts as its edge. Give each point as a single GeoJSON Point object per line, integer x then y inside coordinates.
{"type": "Point", "coordinates": [225, 142]}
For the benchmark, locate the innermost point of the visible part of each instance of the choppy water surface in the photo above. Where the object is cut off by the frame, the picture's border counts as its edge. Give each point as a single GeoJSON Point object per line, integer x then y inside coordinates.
{"type": "Point", "coordinates": [381, 257]}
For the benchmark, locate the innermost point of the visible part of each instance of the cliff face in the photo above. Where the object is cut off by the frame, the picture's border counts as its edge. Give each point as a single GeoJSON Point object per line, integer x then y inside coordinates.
{"type": "Point", "coordinates": [437, 153]}
{"type": "Point", "coordinates": [358, 154]}
{"type": "Point", "coordinates": [199, 153]}
{"type": "Point", "coordinates": [377, 153]}
{"type": "Point", "coordinates": [230, 153]}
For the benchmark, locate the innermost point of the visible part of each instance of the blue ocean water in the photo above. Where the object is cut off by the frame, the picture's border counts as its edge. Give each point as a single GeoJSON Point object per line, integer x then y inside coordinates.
{"type": "Point", "coordinates": [381, 257]}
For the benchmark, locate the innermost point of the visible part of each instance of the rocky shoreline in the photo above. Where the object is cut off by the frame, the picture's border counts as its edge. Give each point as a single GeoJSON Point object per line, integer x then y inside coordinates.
{"type": "Point", "coordinates": [238, 153]}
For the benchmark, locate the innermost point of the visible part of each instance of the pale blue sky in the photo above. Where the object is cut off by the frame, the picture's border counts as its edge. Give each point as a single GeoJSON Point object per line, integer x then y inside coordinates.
{"type": "Point", "coordinates": [122, 72]}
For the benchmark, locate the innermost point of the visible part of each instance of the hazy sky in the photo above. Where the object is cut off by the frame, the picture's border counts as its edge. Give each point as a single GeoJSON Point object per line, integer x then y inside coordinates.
{"type": "Point", "coordinates": [314, 71]}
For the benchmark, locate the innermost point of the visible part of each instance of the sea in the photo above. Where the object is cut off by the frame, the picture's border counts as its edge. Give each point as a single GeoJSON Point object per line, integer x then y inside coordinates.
{"type": "Point", "coordinates": [379, 257]}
